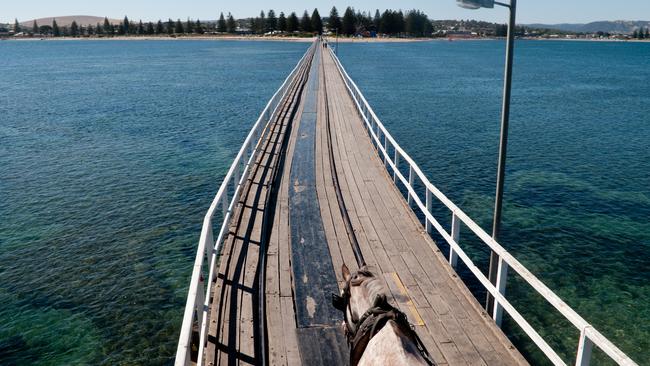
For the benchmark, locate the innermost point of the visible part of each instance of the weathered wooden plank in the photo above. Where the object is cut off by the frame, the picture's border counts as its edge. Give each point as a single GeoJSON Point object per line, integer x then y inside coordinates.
{"type": "Point", "coordinates": [290, 331]}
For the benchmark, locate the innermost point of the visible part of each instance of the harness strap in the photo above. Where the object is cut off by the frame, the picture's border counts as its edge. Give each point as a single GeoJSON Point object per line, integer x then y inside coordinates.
{"type": "Point", "coordinates": [371, 322]}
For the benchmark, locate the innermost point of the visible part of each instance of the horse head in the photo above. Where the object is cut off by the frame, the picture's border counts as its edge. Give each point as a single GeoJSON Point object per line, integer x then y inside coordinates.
{"type": "Point", "coordinates": [366, 310]}
{"type": "Point", "coordinates": [362, 291]}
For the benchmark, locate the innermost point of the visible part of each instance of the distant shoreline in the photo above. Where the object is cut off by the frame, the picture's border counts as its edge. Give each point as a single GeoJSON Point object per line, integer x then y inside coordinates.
{"type": "Point", "coordinates": [223, 38]}
{"type": "Point", "coordinates": [306, 39]}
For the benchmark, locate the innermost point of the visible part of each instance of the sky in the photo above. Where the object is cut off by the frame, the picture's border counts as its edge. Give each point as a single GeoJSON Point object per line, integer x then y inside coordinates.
{"type": "Point", "coordinates": [529, 11]}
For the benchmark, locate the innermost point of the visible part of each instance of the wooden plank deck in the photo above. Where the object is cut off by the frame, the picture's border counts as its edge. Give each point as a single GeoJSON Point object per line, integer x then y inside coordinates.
{"type": "Point", "coordinates": [451, 323]}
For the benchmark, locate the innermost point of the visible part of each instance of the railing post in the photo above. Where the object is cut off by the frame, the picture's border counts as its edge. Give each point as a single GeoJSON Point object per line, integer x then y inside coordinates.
{"type": "Point", "coordinates": [224, 204]}
{"type": "Point", "coordinates": [244, 160]}
{"type": "Point", "coordinates": [455, 234]}
{"type": "Point", "coordinates": [396, 161]}
{"type": "Point", "coordinates": [410, 183]}
{"type": "Point", "coordinates": [236, 181]}
{"type": "Point", "coordinates": [385, 150]}
{"type": "Point", "coordinates": [585, 346]}
{"type": "Point", "coordinates": [377, 143]}
{"type": "Point", "coordinates": [428, 199]}
{"type": "Point", "coordinates": [199, 306]}
{"type": "Point", "coordinates": [502, 275]}
{"type": "Point", "coordinates": [209, 248]}
{"type": "Point", "coordinates": [378, 132]}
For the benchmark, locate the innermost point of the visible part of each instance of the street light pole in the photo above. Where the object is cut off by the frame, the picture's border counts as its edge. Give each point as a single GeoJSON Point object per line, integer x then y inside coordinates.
{"type": "Point", "coordinates": [493, 271]}
{"type": "Point", "coordinates": [503, 146]}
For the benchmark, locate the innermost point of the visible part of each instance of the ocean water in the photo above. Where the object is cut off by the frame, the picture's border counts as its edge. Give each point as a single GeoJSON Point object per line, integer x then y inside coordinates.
{"type": "Point", "coordinates": [110, 153]}
{"type": "Point", "coordinates": [577, 195]}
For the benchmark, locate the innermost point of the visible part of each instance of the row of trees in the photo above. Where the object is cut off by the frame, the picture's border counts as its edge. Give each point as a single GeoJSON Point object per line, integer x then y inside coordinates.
{"type": "Point", "coordinates": [641, 34]}
{"type": "Point", "coordinates": [126, 27]}
{"type": "Point", "coordinates": [392, 22]}
{"type": "Point", "coordinates": [269, 22]}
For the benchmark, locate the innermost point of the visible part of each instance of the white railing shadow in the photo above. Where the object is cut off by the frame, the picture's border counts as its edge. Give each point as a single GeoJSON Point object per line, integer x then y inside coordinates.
{"type": "Point", "coordinates": [383, 141]}
{"type": "Point", "coordinates": [197, 305]}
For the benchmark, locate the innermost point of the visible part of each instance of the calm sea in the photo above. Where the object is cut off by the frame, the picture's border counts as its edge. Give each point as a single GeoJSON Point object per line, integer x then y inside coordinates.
{"type": "Point", "coordinates": [110, 153]}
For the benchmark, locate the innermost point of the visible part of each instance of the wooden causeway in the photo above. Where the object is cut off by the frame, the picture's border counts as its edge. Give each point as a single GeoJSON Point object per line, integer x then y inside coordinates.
{"type": "Point", "coordinates": [451, 323]}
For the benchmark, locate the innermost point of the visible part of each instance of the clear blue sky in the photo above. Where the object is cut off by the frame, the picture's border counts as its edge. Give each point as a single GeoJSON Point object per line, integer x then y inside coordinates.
{"type": "Point", "coordinates": [530, 11]}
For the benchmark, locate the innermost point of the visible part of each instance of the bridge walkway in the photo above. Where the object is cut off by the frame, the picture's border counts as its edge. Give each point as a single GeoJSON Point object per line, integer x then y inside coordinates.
{"type": "Point", "coordinates": [289, 232]}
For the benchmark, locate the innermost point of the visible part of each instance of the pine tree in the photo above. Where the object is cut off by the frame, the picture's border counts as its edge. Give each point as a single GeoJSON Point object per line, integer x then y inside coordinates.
{"type": "Point", "coordinates": [160, 28]}
{"type": "Point", "coordinates": [140, 28]}
{"type": "Point", "coordinates": [56, 32]}
{"type": "Point", "coordinates": [271, 21]}
{"type": "Point", "coordinates": [334, 21]}
{"type": "Point", "coordinates": [292, 22]}
{"type": "Point", "coordinates": [261, 23]}
{"type": "Point", "coordinates": [17, 27]}
{"type": "Point", "coordinates": [189, 26]}
{"type": "Point", "coordinates": [400, 23]}
{"type": "Point", "coordinates": [348, 22]}
{"type": "Point", "coordinates": [305, 23]}
{"type": "Point", "coordinates": [282, 23]}
{"type": "Point", "coordinates": [231, 24]}
{"type": "Point", "coordinates": [126, 26]}
{"type": "Point", "coordinates": [222, 27]}
{"type": "Point", "coordinates": [376, 21]}
{"type": "Point", "coordinates": [35, 28]}
{"type": "Point", "coordinates": [108, 28]}
{"type": "Point", "coordinates": [253, 24]}
{"type": "Point", "coordinates": [170, 26]}
{"type": "Point", "coordinates": [74, 29]}
{"type": "Point", "coordinates": [316, 22]}
{"type": "Point", "coordinates": [99, 29]}
{"type": "Point", "coordinates": [150, 29]}
{"type": "Point", "coordinates": [641, 33]}
{"type": "Point", "coordinates": [198, 27]}
{"type": "Point", "coordinates": [178, 29]}
{"type": "Point", "coordinates": [647, 33]}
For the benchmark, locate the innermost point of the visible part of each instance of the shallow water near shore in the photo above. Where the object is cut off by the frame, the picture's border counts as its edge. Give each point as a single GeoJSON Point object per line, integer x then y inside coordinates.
{"type": "Point", "coordinates": [110, 153]}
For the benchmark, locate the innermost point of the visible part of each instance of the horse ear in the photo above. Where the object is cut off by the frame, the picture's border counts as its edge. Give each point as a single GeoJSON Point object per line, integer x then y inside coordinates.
{"type": "Point", "coordinates": [338, 302]}
{"type": "Point", "coordinates": [346, 272]}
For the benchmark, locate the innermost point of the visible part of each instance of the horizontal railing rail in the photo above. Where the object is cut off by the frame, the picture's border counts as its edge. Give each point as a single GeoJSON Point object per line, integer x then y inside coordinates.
{"type": "Point", "coordinates": [197, 304]}
{"type": "Point", "coordinates": [383, 142]}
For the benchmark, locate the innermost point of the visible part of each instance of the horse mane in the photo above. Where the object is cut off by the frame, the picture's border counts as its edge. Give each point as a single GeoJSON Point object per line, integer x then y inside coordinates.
{"type": "Point", "coordinates": [374, 286]}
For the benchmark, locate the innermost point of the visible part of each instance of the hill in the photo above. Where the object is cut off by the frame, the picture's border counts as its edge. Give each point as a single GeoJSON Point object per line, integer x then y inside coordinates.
{"type": "Point", "coordinates": [65, 21]}
{"type": "Point", "coordinates": [618, 26]}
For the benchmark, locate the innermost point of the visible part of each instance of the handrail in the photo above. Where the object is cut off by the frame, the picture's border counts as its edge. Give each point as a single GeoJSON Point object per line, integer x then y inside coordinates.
{"type": "Point", "coordinates": [589, 336]}
{"type": "Point", "coordinates": [196, 306]}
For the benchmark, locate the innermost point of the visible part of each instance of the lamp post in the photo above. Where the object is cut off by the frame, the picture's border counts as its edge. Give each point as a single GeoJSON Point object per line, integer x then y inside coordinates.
{"type": "Point", "coordinates": [503, 142]}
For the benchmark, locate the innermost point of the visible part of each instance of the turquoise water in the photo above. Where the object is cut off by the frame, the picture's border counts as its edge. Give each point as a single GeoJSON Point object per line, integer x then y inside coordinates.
{"type": "Point", "coordinates": [577, 196]}
{"type": "Point", "coordinates": [110, 153]}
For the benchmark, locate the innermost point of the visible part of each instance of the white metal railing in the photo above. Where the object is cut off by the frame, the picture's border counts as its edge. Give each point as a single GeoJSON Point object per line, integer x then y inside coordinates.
{"type": "Point", "coordinates": [382, 140]}
{"type": "Point", "coordinates": [197, 305]}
